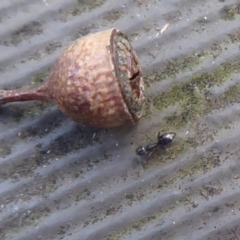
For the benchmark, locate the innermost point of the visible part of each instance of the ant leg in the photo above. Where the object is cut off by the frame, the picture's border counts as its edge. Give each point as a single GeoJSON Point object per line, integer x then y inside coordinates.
{"type": "Point", "coordinates": [150, 149]}
{"type": "Point", "coordinates": [148, 157]}
{"type": "Point", "coordinates": [159, 133]}
{"type": "Point", "coordinates": [148, 137]}
{"type": "Point", "coordinates": [164, 148]}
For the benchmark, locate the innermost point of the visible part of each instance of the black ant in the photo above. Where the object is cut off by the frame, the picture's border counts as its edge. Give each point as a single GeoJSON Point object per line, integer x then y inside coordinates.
{"type": "Point", "coordinates": [163, 140]}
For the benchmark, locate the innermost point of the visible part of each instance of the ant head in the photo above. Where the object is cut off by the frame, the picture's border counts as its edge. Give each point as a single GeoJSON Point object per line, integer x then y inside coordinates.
{"type": "Point", "coordinates": [141, 151]}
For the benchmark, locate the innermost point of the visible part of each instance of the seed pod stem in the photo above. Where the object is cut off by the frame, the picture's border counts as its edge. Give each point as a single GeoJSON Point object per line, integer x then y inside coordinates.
{"type": "Point", "coordinates": [24, 94]}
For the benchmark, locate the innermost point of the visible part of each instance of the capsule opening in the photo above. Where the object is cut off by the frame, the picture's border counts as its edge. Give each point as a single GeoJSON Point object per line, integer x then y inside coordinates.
{"type": "Point", "coordinates": [129, 75]}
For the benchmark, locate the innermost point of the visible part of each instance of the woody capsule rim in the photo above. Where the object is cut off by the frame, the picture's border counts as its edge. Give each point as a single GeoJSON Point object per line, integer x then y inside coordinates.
{"type": "Point", "coordinates": [131, 81]}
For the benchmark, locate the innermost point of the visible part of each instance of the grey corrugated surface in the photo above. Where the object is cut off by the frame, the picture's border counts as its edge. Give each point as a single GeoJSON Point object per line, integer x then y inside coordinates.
{"type": "Point", "coordinates": [62, 181]}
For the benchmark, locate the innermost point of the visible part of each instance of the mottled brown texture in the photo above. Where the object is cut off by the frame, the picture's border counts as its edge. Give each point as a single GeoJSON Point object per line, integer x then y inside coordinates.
{"type": "Point", "coordinates": [97, 81]}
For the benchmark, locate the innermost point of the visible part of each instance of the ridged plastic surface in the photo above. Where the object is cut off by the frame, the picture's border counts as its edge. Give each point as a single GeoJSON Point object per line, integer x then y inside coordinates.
{"type": "Point", "coordinates": [59, 180]}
